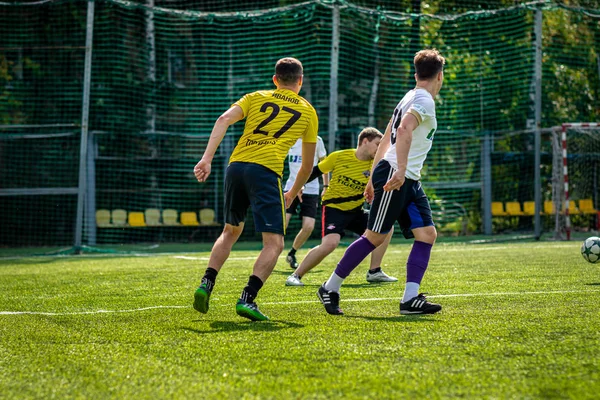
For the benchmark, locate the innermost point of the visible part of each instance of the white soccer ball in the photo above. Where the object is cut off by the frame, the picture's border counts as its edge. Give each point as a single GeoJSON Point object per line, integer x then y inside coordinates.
{"type": "Point", "coordinates": [590, 249]}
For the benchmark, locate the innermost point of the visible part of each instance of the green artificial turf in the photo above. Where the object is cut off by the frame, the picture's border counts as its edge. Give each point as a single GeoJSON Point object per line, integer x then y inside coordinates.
{"type": "Point", "coordinates": [519, 320]}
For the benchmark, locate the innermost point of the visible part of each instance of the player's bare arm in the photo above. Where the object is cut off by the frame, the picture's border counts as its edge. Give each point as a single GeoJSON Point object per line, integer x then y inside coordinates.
{"type": "Point", "coordinates": [325, 180]}
{"type": "Point", "coordinates": [404, 135]}
{"type": "Point", "coordinates": [229, 117]}
{"type": "Point", "coordinates": [308, 155]}
{"type": "Point", "coordinates": [384, 145]}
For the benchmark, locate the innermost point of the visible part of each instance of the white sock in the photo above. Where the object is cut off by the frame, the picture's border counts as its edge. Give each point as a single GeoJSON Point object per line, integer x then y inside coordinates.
{"type": "Point", "coordinates": [334, 283]}
{"type": "Point", "coordinates": [410, 290]}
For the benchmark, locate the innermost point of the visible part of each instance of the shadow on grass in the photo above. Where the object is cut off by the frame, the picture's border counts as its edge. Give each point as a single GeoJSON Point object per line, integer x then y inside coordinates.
{"type": "Point", "coordinates": [593, 284]}
{"type": "Point", "coordinates": [396, 318]}
{"type": "Point", "coordinates": [28, 261]}
{"type": "Point", "coordinates": [242, 326]}
{"type": "Point", "coordinates": [360, 285]}
{"type": "Point", "coordinates": [289, 271]}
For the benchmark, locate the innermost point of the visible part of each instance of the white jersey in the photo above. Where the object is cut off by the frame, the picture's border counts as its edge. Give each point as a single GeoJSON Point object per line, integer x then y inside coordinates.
{"type": "Point", "coordinates": [295, 160]}
{"type": "Point", "coordinates": [419, 103]}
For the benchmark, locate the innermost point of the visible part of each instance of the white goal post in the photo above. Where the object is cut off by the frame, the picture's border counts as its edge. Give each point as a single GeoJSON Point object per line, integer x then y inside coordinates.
{"type": "Point", "coordinates": [564, 172]}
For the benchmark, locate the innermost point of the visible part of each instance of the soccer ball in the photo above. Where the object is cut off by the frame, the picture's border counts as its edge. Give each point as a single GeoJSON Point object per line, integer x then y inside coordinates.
{"type": "Point", "coordinates": [590, 249]}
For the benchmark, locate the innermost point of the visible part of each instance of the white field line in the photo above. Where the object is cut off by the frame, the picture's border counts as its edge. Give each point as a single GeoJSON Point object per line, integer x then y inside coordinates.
{"type": "Point", "coordinates": [86, 312]}
{"type": "Point", "coordinates": [304, 302]}
{"type": "Point", "coordinates": [132, 255]}
{"type": "Point", "coordinates": [439, 247]}
{"type": "Point", "coordinates": [208, 258]}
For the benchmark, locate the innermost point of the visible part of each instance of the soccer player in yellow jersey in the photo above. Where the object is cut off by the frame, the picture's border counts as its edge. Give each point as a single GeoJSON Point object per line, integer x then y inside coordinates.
{"type": "Point", "coordinates": [343, 205]}
{"type": "Point", "coordinates": [275, 120]}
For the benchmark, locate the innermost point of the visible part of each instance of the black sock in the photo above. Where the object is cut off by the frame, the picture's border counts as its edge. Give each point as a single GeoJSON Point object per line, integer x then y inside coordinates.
{"type": "Point", "coordinates": [373, 271]}
{"type": "Point", "coordinates": [251, 290]}
{"type": "Point", "coordinates": [292, 252]}
{"type": "Point", "coordinates": [210, 276]}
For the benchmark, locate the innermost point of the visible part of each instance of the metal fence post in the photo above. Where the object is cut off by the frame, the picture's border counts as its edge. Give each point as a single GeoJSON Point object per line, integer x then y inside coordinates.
{"type": "Point", "coordinates": [537, 181]}
{"type": "Point", "coordinates": [333, 79]}
{"type": "Point", "coordinates": [85, 108]}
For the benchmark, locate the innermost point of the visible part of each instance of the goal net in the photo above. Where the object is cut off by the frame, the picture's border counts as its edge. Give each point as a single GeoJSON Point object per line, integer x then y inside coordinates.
{"type": "Point", "coordinates": [576, 179]}
{"type": "Point", "coordinates": [160, 72]}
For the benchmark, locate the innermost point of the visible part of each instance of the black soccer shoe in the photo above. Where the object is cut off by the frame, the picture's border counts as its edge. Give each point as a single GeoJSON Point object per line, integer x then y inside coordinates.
{"type": "Point", "coordinates": [330, 300]}
{"type": "Point", "coordinates": [419, 305]}
{"type": "Point", "coordinates": [291, 259]}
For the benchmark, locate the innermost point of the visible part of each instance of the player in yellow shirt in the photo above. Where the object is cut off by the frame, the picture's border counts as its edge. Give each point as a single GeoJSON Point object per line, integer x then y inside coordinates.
{"type": "Point", "coordinates": [275, 120]}
{"type": "Point", "coordinates": [343, 205]}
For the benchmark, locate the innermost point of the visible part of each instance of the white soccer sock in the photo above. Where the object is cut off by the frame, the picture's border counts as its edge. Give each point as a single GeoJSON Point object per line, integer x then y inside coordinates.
{"type": "Point", "coordinates": [334, 283]}
{"type": "Point", "coordinates": [410, 290]}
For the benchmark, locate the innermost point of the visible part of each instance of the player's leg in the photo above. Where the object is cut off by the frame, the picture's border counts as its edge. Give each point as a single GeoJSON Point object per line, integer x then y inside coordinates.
{"type": "Point", "coordinates": [308, 225]}
{"type": "Point", "coordinates": [291, 256]}
{"type": "Point", "coordinates": [236, 206]}
{"type": "Point", "coordinates": [329, 292]}
{"type": "Point", "coordinates": [375, 274]}
{"type": "Point", "coordinates": [353, 256]}
{"type": "Point", "coordinates": [416, 222]}
{"type": "Point", "coordinates": [268, 210]}
{"type": "Point", "coordinates": [263, 267]}
{"type": "Point", "coordinates": [223, 245]}
{"type": "Point", "coordinates": [314, 257]}
{"type": "Point", "coordinates": [308, 212]}
{"type": "Point", "coordinates": [380, 222]}
{"type": "Point", "coordinates": [333, 223]}
{"type": "Point", "coordinates": [218, 255]}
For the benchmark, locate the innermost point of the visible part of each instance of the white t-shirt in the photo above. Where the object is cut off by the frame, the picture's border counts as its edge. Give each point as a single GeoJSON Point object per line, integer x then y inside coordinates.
{"type": "Point", "coordinates": [419, 103]}
{"type": "Point", "coordinates": [295, 160]}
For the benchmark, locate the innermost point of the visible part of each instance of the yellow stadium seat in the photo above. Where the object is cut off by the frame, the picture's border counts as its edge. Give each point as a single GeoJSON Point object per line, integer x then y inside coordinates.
{"type": "Point", "coordinates": [207, 217]}
{"type": "Point", "coordinates": [189, 218]}
{"type": "Point", "coordinates": [549, 207]}
{"type": "Point", "coordinates": [136, 218]}
{"type": "Point", "coordinates": [498, 209]}
{"type": "Point", "coordinates": [529, 208]}
{"type": "Point", "coordinates": [119, 217]}
{"type": "Point", "coordinates": [573, 210]}
{"type": "Point", "coordinates": [169, 217]}
{"type": "Point", "coordinates": [103, 218]}
{"type": "Point", "coordinates": [586, 206]}
{"type": "Point", "coordinates": [513, 208]}
{"type": "Point", "coordinates": [152, 216]}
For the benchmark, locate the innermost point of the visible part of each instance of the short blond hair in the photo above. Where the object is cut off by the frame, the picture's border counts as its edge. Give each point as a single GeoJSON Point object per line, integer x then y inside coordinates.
{"type": "Point", "coordinates": [370, 134]}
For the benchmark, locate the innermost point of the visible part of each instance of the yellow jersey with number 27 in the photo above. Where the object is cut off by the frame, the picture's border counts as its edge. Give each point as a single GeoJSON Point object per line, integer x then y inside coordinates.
{"type": "Point", "coordinates": [275, 120]}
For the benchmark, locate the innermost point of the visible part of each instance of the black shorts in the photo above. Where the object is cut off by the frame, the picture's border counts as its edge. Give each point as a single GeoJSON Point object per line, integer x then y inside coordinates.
{"type": "Point", "coordinates": [334, 220]}
{"type": "Point", "coordinates": [252, 185]}
{"type": "Point", "coordinates": [308, 207]}
{"type": "Point", "coordinates": [407, 205]}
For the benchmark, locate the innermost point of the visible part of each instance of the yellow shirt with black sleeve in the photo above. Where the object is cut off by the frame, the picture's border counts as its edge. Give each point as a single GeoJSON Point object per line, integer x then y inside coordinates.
{"type": "Point", "coordinates": [275, 120]}
{"type": "Point", "coordinates": [349, 177]}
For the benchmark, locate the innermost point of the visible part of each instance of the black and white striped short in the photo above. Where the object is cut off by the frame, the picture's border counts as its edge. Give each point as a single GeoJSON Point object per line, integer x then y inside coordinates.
{"type": "Point", "coordinates": [407, 205]}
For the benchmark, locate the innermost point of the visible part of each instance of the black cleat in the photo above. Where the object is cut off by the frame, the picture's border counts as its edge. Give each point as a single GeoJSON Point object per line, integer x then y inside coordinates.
{"type": "Point", "coordinates": [330, 300]}
{"type": "Point", "coordinates": [419, 305]}
{"type": "Point", "coordinates": [291, 259]}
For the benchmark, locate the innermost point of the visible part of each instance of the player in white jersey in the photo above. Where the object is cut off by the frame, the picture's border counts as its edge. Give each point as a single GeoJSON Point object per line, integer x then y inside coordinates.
{"type": "Point", "coordinates": [395, 190]}
{"type": "Point", "coordinates": [310, 197]}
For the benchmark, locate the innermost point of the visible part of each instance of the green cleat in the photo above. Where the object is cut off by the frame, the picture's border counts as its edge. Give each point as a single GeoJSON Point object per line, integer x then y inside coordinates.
{"type": "Point", "coordinates": [201, 297]}
{"type": "Point", "coordinates": [250, 311]}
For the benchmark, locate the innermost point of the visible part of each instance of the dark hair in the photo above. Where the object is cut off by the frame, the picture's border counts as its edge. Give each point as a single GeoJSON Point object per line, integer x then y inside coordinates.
{"type": "Point", "coordinates": [370, 134]}
{"type": "Point", "coordinates": [288, 71]}
{"type": "Point", "coordinates": [428, 63]}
